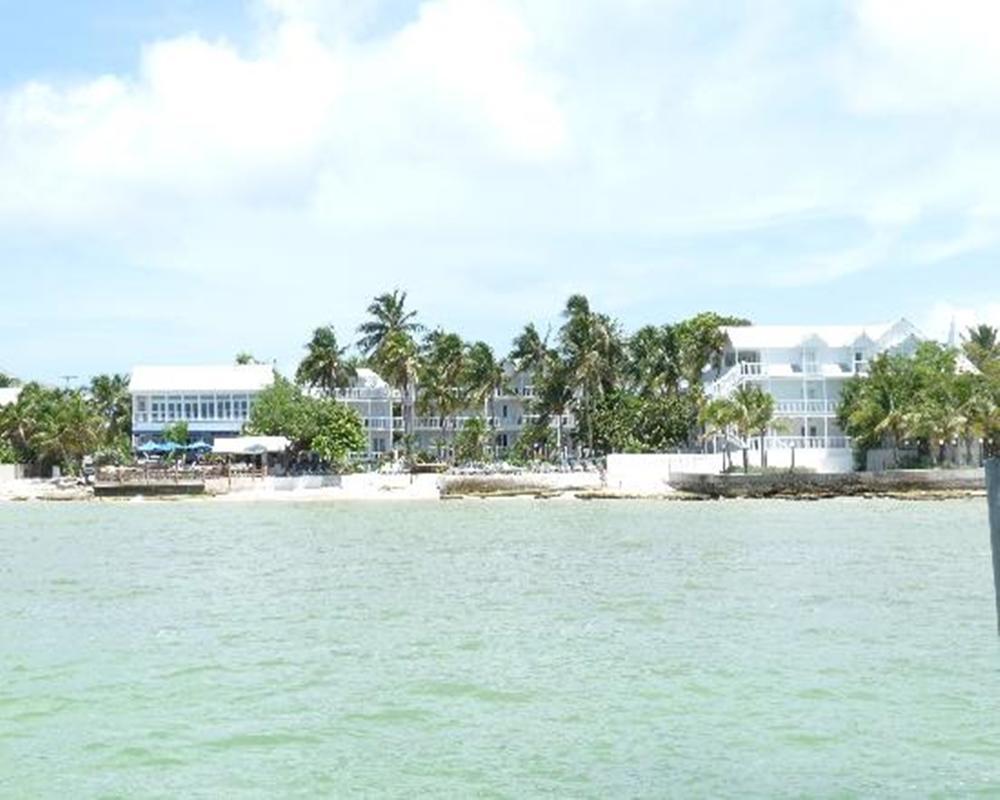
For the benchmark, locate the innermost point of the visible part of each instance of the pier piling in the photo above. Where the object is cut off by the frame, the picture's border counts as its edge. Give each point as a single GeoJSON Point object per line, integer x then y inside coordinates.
{"type": "Point", "coordinates": [993, 498]}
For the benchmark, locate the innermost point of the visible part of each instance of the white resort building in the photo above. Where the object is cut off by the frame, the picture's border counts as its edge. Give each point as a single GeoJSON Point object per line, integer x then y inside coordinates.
{"type": "Point", "coordinates": [212, 400]}
{"type": "Point", "coordinates": [216, 401]}
{"type": "Point", "coordinates": [804, 368]}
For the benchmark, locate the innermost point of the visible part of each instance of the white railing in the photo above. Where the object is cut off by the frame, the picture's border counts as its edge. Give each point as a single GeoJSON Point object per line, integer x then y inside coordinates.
{"type": "Point", "coordinates": [383, 423]}
{"type": "Point", "coordinates": [806, 406]}
{"type": "Point", "coordinates": [801, 442]}
{"type": "Point", "coordinates": [726, 383]}
{"type": "Point", "coordinates": [367, 393]}
{"type": "Point", "coordinates": [737, 374]}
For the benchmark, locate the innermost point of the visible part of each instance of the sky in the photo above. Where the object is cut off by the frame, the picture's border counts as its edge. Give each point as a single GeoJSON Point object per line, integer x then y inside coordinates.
{"type": "Point", "coordinates": [181, 180]}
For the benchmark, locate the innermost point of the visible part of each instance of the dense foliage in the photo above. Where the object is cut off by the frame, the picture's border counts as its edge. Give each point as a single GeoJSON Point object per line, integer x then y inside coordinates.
{"type": "Point", "coordinates": [323, 426]}
{"type": "Point", "coordinates": [58, 427]}
{"type": "Point", "coordinates": [926, 401]}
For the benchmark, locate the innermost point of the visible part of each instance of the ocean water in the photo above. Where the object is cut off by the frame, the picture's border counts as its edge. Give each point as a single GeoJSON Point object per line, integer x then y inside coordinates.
{"type": "Point", "coordinates": [498, 649]}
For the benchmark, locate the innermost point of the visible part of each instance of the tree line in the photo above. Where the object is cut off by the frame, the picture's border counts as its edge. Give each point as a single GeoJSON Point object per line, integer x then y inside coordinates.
{"type": "Point", "coordinates": [638, 393]}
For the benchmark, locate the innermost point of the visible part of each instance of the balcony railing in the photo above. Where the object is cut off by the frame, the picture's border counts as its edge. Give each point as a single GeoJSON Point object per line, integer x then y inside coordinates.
{"type": "Point", "coordinates": [801, 442]}
{"type": "Point", "coordinates": [824, 407]}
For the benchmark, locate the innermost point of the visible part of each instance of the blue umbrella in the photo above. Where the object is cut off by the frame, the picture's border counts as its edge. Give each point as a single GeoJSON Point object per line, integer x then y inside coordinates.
{"type": "Point", "coordinates": [199, 445]}
{"type": "Point", "coordinates": [149, 447]}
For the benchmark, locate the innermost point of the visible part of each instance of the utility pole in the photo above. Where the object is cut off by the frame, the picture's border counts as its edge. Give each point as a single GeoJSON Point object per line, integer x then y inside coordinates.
{"type": "Point", "coordinates": [68, 378]}
{"type": "Point", "coordinates": [993, 498]}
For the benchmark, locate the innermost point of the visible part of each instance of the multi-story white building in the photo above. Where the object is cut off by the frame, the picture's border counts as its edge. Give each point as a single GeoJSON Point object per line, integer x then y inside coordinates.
{"type": "Point", "coordinates": [217, 400]}
{"type": "Point", "coordinates": [804, 368]}
{"type": "Point", "coordinates": [508, 412]}
{"type": "Point", "coordinates": [212, 400]}
{"type": "Point", "coordinates": [378, 406]}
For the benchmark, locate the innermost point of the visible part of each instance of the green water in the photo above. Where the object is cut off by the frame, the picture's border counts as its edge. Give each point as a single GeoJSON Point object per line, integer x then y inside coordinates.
{"type": "Point", "coordinates": [498, 649]}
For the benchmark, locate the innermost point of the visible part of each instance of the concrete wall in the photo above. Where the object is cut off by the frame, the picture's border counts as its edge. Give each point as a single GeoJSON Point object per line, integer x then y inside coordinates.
{"type": "Point", "coordinates": [11, 472]}
{"type": "Point", "coordinates": [371, 485]}
{"type": "Point", "coordinates": [814, 459]}
{"type": "Point", "coordinates": [651, 474]}
{"type": "Point", "coordinates": [637, 473]}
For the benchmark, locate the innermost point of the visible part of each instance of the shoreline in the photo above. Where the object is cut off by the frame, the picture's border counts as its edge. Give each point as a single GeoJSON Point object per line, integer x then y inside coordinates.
{"type": "Point", "coordinates": [35, 492]}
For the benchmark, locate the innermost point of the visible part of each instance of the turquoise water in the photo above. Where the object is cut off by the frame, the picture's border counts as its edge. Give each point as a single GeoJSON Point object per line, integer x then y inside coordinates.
{"type": "Point", "coordinates": [498, 649]}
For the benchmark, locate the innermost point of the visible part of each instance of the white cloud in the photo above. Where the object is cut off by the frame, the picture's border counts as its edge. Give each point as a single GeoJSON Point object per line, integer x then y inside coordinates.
{"type": "Point", "coordinates": [923, 56]}
{"type": "Point", "coordinates": [512, 149]}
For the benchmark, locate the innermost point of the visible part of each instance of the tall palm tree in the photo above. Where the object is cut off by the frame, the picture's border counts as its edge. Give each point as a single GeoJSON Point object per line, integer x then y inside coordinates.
{"type": "Point", "coordinates": [388, 316]}
{"type": "Point", "coordinates": [387, 342]}
{"type": "Point", "coordinates": [441, 368]}
{"type": "Point", "coordinates": [325, 365]}
{"type": "Point", "coordinates": [398, 360]}
{"type": "Point", "coordinates": [483, 376]}
{"type": "Point", "coordinates": [591, 346]}
{"type": "Point", "coordinates": [530, 351]}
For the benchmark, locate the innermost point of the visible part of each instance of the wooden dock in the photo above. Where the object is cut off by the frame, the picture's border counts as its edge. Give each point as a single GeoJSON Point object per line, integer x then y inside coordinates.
{"type": "Point", "coordinates": [149, 488]}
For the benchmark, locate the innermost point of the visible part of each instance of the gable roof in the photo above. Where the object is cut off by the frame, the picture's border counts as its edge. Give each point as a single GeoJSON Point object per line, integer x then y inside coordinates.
{"type": "Point", "coordinates": [762, 337]}
{"type": "Point", "coordinates": [224, 378]}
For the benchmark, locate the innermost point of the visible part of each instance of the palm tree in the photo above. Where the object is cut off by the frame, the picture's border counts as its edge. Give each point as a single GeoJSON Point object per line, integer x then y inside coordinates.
{"type": "Point", "coordinates": [388, 315]}
{"type": "Point", "coordinates": [530, 352]}
{"type": "Point", "coordinates": [483, 376]}
{"type": "Point", "coordinates": [652, 361]}
{"type": "Point", "coordinates": [68, 429]}
{"type": "Point", "coordinates": [244, 358]}
{"type": "Point", "coordinates": [441, 368]}
{"type": "Point", "coordinates": [388, 344]}
{"type": "Point", "coordinates": [981, 345]}
{"type": "Point", "coordinates": [325, 365]}
{"type": "Point", "coordinates": [718, 417]}
{"type": "Point", "coordinates": [113, 403]}
{"type": "Point", "coordinates": [753, 412]}
{"type": "Point", "coordinates": [591, 346]}
{"type": "Point", "coordinates": [398, 360]}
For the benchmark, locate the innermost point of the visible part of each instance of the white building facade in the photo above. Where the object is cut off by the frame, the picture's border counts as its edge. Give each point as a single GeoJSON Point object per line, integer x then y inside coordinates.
{"type": "Point", "coordinates": [216, 401]}
{"type": "Point", "coordinates": [805, 368]}
{"type": "Point", "coordinates": [212, 400]}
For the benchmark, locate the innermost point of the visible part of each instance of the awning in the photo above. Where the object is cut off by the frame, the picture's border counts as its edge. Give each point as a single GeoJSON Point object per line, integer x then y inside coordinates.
{"type": "Point", "coordinates": [250, 445]}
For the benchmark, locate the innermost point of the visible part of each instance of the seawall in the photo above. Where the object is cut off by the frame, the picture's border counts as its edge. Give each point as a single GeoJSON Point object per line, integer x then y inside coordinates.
{"type": "Point", "coordinates": [787, 484]}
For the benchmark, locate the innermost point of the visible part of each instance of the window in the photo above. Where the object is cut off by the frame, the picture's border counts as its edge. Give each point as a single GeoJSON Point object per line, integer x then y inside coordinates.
{"type": "Point", "coordinates": [503, 413]}
{"type": "Point", "coordinates": [173, 408]}
{"type": "Point", "coordinates": [159, 408]}
{"type": "Point", "coordinates": [207, 407]}
{"type": "Point", "coordinates": [224, 406]}
{"type": "Point", "coordinates": [190, 407]}
{"type": "Point", "coordinates": [859, 361]}
{"type": "Point", "coordinates": [140, 409]}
